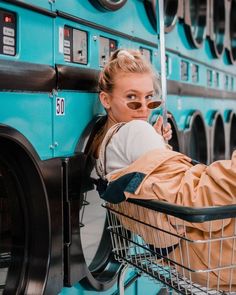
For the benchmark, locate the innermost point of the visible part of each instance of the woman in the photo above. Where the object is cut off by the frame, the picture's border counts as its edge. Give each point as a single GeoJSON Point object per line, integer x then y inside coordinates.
{"type": "Point", "coordinates": [130, 149]}
{"type": "Point", "coordinates": [129, 89]}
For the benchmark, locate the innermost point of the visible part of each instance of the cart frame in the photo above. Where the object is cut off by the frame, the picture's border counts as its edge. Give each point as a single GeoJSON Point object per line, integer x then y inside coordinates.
{"type": "Point", "coordinates": [161, 263]}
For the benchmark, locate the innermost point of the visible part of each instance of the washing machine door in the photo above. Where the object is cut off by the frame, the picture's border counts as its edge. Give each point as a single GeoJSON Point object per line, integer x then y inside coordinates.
{"type": "Point", "coordinates": [24, 218]}
{"type": "Point", "coordinates": [88, 251]}
{"type": "Point", "coordinates": [110, 5]}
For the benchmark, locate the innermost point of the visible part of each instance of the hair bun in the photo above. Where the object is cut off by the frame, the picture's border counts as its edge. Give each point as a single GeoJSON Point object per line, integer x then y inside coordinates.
{"type": "Point", "coordinates": [125, 53]}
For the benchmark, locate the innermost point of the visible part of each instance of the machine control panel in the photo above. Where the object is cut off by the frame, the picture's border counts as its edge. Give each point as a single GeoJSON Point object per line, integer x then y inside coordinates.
{"type": "Point", "coordinates": [226, 82]}
{"type": "Point", "coordinates": [147, 53]}
{"type": "Point", "coordinates": [75, 45]}
{"type": "Point", "coordinates": [107, 47]}
{"type": "Point", "coordinates": [195, 73]}
{"type": "Point", "coordinates": [232, 84]}
{"type": "Point", "coordinates": [217, 79]}
{"type": "Point", "coordinates": [209, 78]}
{"type": "Point", "coordinates": [7, 32]}
{"type": "Point", "coordinates": [184, 70]}
{"type": "Point", "coordinates": [167, 65]}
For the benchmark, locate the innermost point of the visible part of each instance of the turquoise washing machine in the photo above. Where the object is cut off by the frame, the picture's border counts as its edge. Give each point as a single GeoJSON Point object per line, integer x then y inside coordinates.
{"type": "Point", "coordinates": [53, 237]}
{"type": "Point", "coordinates": [31, 233]}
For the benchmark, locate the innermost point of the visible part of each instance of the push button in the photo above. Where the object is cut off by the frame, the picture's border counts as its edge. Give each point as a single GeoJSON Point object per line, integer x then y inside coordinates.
{"type": "Point", "coordinates": [8, 32]}
{"type": "Point", "coordinates": [9, 41]}
{"type": "Point", "coordinates": [8, 50]}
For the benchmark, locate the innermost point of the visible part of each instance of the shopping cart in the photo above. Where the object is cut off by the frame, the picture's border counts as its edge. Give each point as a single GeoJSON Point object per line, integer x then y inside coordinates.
{"type": "Point", "coordinates": [189, 250]}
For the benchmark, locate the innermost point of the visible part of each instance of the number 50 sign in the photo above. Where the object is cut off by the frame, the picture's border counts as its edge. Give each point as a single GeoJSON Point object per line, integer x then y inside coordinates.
{"type": "Point", "coordinates": [60, 106]}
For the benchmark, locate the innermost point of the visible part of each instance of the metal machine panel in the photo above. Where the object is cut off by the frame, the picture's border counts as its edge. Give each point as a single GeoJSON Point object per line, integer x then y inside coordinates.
{"type": "Point", "coordinates": [33, 39]}
{"type": "Point", "coordinates": [131, 24]}
{"type": "Point", "coordinates": [8, 33]}
{"type": "Point", "coordinates": [75, 45]}
{"type": "Point", "coordinates": [78, 112]}
{"type": "Point", "coordinates": [30, 114]}
{"type": "Point", "coordinates": [77, 81]}
{"type": "Point", "coordinates": [106, 48]}
{"type": "Point", "coordinates": [34, 5]}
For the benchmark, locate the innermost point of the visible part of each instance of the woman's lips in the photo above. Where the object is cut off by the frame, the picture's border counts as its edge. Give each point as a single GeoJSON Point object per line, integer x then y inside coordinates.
{"type": "Point", "coordinates": [141, 118]}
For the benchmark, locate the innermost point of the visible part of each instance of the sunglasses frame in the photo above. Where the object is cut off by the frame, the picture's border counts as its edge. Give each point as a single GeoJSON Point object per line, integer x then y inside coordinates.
{"type": "Point", "coordinates": [153, 104]}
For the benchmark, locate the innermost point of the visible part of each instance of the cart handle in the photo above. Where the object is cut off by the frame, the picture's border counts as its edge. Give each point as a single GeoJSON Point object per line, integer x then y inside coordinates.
{"type": "Point", "coordinates": [188, 213]}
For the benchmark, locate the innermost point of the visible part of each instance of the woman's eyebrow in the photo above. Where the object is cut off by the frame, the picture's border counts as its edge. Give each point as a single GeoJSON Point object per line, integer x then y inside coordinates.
{"type": "Point", "coordinates": [137, 91]}
{"type": "Point", "coordinates": [131, 90]}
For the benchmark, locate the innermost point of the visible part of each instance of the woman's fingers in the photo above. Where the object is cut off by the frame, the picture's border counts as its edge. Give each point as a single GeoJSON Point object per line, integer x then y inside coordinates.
{"type": "Point", "coordinates": [166, 131]}
{"type": "Point", "coordinates": [158, 125]}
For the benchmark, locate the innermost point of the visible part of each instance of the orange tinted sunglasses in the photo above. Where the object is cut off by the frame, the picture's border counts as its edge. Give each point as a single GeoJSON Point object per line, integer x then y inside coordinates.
{"type": "Point", "coordinates": [135, 105]}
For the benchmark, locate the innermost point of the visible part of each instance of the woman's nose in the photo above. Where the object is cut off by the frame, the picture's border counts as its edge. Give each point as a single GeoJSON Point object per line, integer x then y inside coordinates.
{"type": "Point", "coordinates": [143, 105]}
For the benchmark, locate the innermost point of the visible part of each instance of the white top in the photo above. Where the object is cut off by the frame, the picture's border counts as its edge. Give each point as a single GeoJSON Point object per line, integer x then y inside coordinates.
{"type": "Point", "coordinates": [132, 140]}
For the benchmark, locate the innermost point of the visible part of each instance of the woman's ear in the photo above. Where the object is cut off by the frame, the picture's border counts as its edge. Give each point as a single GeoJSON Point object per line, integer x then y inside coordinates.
{"type": "Point", "coordinates": [105, 99]}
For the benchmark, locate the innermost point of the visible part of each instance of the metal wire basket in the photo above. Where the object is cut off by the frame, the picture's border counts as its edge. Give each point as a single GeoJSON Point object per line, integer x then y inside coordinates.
{"type": "Point", "coordinates": [190, 250]}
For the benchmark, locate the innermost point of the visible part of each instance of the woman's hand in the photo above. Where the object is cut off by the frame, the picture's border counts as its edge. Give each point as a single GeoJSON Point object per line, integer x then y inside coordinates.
{"type": "Point", "coordinates": [165, 132]}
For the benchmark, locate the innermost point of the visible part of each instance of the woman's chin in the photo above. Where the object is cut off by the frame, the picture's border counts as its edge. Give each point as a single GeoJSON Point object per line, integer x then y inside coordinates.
{"type": "Point", "coordinates": [141, 118]}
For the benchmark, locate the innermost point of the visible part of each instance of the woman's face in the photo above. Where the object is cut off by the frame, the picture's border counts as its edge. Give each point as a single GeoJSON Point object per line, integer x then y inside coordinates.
{"type": "Point", "coordinates": [129, 87]}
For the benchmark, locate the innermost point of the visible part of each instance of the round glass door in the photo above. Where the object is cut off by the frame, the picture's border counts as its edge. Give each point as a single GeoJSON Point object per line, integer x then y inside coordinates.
{"type": "Point", "coordinates": [108, 4]}
{"type": "Point", "coordinates": [24, 218]}
{"type": "Point", "coordinates": [218, 138]}
{"type": "Point", "coordinates": [12, 234]}
{"type": "Point", "coordinates": [92, 223]}
{"type": "Point", "coordinates": [101, 268]}
{"type": "Point", "coordinates": [195, 20]}
{"type": "Point", "coordinates": [5, 235]}
{"type": "Point", "coordinates": [198, 140]}
{"type": "Point", "coordinates": [170, 13]}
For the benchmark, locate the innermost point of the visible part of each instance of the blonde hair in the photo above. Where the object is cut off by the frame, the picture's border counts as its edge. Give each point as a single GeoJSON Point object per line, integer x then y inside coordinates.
{"type": "Point", "coordinates": [126, 61]}
{"type": "Point", "coordinates": [122, 61]}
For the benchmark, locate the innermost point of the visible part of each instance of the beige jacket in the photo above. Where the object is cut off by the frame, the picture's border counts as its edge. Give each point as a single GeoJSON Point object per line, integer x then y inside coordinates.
{"type": "Point", "coordinates": [170, 176]}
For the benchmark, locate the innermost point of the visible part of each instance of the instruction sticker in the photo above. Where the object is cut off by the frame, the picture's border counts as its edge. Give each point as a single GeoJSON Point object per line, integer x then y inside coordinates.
{"type": "Point", "coordinates": [61, 39]}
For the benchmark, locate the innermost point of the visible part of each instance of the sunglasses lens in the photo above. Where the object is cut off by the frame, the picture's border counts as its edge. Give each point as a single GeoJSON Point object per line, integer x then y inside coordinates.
{"type": "Point", "coordinates": [154, 104]}
{"type": "Point", "coordinates": [134, 105]}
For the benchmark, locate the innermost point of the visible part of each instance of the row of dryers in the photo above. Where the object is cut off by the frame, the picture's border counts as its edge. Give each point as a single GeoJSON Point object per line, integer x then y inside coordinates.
{"type": "Point", "coordinates": [205, 139]}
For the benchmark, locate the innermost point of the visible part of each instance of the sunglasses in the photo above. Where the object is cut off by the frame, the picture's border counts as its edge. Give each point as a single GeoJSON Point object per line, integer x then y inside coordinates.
{"type": "Point", "coordinates": [135, 105]}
